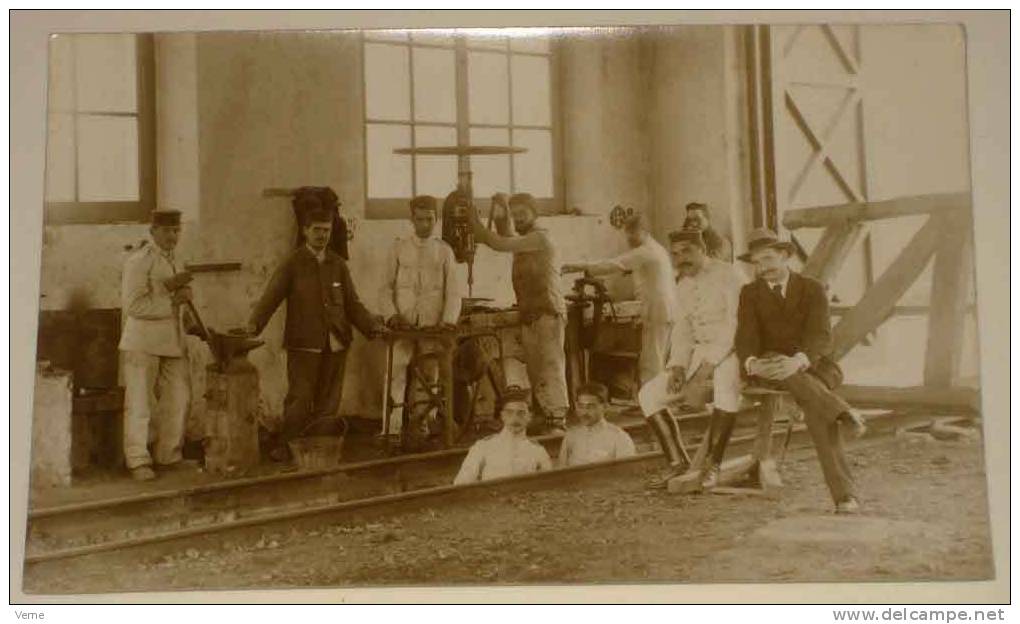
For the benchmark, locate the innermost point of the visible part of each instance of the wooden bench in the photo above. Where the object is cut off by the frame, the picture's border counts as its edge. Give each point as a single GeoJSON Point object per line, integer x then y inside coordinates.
{"type": "Point", "coordinates": [759, 469]}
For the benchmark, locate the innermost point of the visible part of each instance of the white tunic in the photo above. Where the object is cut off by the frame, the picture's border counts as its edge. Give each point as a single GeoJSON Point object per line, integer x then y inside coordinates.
{"type": "Point", "coordinates": [151, 320]}
{"type": "Point", "coordinates": [502, 455]}
{"type": "Point", "coordinates": [420, 282]}
{"type": "Point", "coordinates": [653, 274]}
{"type": "Point", "coordinates": [602, 441]}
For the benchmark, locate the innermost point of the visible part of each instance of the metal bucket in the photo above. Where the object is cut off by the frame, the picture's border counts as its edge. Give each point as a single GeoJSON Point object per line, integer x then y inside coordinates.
{"type": "Point", "coordinates": [322, 450]}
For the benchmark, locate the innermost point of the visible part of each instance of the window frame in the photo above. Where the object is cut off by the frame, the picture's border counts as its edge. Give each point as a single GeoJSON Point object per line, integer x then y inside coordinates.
{"type": "Point", "coordinates": [107, 212]}
{"type": "Point", "coordinates": [396, 207]}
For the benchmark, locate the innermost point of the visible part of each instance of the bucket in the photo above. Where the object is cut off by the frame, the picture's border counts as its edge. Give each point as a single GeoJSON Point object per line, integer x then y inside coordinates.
{"type": "Point", "coordinates": [323, 449]}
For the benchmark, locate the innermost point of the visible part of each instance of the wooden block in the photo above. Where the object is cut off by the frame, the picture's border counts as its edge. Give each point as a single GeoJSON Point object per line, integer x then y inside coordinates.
{"type": "Point", "coordinates": [730, 471]}
{"type": "Point", "coordinates": [232, 413]}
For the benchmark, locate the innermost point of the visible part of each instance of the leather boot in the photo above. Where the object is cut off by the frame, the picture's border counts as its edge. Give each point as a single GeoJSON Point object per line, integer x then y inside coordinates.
{"type": "Point", "coordinates": [667, 433]}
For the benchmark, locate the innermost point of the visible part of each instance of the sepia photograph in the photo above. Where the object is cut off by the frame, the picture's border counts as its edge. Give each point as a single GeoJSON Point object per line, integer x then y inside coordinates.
{"type": "Point", "coordinates": [506, 306]}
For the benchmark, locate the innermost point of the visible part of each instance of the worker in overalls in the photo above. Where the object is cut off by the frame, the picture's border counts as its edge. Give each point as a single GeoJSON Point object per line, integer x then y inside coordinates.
{"type": "Point", "coordinates": [650, 265]}
{"type": "Point", "coordinates": [543, 312]}
{"type": "Point", "coordinates": [322, 307]}
{"type": "Point", "coordinates": [702, 359]}
{"type": "Point", "coordinates": [420, 291]}
{"type": "Point", "coordinates": [154, 289]}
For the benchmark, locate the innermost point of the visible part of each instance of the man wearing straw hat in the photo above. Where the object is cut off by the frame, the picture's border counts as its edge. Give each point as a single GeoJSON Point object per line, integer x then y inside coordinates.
{"type": "Point", "coordinates": [154, 293]}
{"type": "Point", "coordinates": [784, 340]}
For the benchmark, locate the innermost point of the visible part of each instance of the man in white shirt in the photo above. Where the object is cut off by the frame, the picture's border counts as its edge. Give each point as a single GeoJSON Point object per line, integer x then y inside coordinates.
{"type": "Point", "coordinates": [595, 439]}
{"type": "Point", "coordinates": [508, 452]}
{"type": "Point", "coordinates": [153, 292]}
{"type": "Point", "coordinates": [653, 274]}
{"type": "Point", "coordinates": [420, 290]}
{"type": "Point", "coordinates": [702, 357]}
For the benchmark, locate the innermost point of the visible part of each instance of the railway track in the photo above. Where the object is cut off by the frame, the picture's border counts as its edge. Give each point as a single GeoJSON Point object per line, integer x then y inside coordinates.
{"type": "Point", "coordinates": [378, 486]}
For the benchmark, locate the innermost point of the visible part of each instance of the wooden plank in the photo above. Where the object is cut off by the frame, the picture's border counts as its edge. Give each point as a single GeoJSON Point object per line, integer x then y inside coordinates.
{"type": "Point", "coordinates": [951, 278]}
{"type": "Point", "coordinates": [873, 211]}
{"type": "Point", "coordinates": [828, 255]}
{"type": "Point", "coordinates": [951, 399]}
{"type": "Point", "coordinates": [900, 310]}
{"type": "Point", "coordinates": [879, 301]}
{"type": "Point", "coordinates": [213, 267]}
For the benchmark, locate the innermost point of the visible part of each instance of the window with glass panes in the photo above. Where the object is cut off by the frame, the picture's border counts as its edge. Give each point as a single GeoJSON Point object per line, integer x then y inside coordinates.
{"type": "Point", "coordinates": [421, 87]}
{"type": "Point", "coordinates": [100, 151]}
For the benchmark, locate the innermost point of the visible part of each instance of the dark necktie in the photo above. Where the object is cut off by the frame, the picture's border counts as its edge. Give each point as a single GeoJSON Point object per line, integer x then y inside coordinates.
{"type": "Point", "coordinates": [778, 289]}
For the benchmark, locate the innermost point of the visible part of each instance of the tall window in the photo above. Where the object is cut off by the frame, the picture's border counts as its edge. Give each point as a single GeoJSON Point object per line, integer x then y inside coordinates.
{"type": "Point", "coordinates": [100, 152]}
{"type": "Point", "coordinates": [426, 89]}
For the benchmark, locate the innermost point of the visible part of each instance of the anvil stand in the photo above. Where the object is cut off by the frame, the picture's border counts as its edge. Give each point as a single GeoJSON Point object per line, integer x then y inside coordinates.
{"type": "Point", "coordinates": [448, 346]}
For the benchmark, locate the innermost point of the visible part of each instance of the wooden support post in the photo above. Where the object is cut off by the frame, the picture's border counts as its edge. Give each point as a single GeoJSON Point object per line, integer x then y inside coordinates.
{"type": "Point", "coordinates": [879, 301]}
{"type": "Point", "coordinates": [769, 480]}
{"type": "Point", "coordinates": [828, 256]}
{"type": "Point", "coordinates": [950, 293]}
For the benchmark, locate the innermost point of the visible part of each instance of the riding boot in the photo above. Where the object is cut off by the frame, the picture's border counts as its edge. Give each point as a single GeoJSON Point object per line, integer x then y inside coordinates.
{"type": "Point", "coordinates": [722, 426]}
{"type": "Point", "coordinates": [667, 433]}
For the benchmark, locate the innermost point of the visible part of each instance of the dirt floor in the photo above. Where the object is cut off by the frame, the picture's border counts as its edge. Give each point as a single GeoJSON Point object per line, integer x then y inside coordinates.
{"type": "Point", "coordinates": [925, 518]}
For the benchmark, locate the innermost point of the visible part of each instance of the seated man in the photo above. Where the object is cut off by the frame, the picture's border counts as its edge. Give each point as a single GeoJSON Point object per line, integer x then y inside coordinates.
{"type": "Point", "coordinates": [508, 452]}
{"type": "Point", "coordinates": [595, 439]}
{"type": "Point", "coordinates": [784, 339]}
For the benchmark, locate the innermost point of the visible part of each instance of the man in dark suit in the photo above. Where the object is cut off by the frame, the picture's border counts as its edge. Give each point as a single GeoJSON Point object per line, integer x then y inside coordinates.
{"type": "Point", "coordinates": [322, 305]}
{"type": "Point", "coordinates": [784, 339]}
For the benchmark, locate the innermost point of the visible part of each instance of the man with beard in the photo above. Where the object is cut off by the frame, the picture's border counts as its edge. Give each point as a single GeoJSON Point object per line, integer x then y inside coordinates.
{"type": "Point", "coordinates": [508, 452]}
{"type": "Point", "coordinates": [784, 340]}
{"type": "Point", "coordinates": [594, 439]}
{"type": "Point", "coordinates": [717, 245]}
{"type": "Point", "coordinates": [420, 291]}
{"type": "Point", "coordinates": [543, 312]}
{"type": "Point", "coordinates": [649, 263]}
{"type": "Point", "coordinates": [701, 358]}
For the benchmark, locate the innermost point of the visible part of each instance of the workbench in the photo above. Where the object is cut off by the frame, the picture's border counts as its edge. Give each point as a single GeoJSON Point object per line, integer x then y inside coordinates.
{"type": "Point", "coordinates": [476, 325]}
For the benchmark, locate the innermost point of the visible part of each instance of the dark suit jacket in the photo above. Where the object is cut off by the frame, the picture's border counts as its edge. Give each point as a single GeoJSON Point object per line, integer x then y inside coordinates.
{"type": "Point", "coordinates": [798, 322]}
{"type": "Point", "coordinates": [320, 298]}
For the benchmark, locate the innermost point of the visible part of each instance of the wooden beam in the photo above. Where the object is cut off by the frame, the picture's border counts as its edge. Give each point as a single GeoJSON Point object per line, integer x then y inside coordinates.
{"type": "Point", "coordinates": [949, 301]}
{"type": "Point", "coordinates": [873, 211]}
{"type": "Point", "coordinates": [900, 310]}
{"type": "Point", "coordinates": [213, 267]}
{"type": "Point", "coordinates": [879, 301]}
{"type": "Point", "coordinates": [951, 399]}
{"type": "Point", "coordinates": [828, 255]}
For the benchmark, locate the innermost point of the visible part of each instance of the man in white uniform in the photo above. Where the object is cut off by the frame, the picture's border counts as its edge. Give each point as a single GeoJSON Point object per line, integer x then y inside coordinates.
{"type": "Point", "coordinates": [653, 274]}
{"type": "Point", "coordinates": [156, 394]}
{"type": "Point", "coordinates": [508, 452]}
{"type": "Point", "coordinates": [420, 290]}
{"type": "Point", "coordinates": [595, 439]}
{"type": "Point", "coordinates": [702, 355]}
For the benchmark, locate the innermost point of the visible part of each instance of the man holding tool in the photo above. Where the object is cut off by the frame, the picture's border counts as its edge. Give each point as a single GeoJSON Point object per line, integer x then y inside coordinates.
{"type": "Point", "coordinates": [155, 299]}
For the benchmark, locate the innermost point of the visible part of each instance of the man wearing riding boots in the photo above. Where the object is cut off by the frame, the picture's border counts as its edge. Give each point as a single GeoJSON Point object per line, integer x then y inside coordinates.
{"type": "Point", "coordinates": [594, 439]}
{"type": "Point", "coordinates": [543, 311]}
{"type": "Point", "coordinates": [154, 299]}
{"type": "Point", "coordinates": [508, 452]}
{"type": "Point", "coordinates": [653, 273]}
{"type": "Point", "coordinates": [702, 358]}
{"type": "Point", "coordinates": [784, 340]}
{"type": "Point", "coordinates": [322, 305]}
{"type": "Point", "coordinates": [420, 290]}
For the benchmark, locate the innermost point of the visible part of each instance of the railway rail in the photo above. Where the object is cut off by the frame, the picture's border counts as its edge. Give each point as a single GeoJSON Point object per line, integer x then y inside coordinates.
{"type": "Point", "coordinates": [377, 486]}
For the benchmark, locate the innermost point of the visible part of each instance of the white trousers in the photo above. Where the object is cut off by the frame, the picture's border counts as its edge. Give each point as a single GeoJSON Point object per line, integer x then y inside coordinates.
{"type": "Point", "coordinates": [654, 349]}
{"type": "Point", "coordinates": [156, 397]}
{"type": "Point", "coordinates": [403, 351]}
{"type": "Point", "coordinates": [542, 343]}
{"type": "Point", "coordinates": [654, 395]}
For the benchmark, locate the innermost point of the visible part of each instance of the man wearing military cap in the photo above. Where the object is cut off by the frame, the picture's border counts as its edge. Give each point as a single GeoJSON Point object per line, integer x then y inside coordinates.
{"type": "Point", "coordinates": [420, 290]}
{"type": "Point", "coordinates": [702, 359]}
{"type": "Point", "coordinates": [154, 293]}
{"type": "Point", "coordinates": [508, 452]}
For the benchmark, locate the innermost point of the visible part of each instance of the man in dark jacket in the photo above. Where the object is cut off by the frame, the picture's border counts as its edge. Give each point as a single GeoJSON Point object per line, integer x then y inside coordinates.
{"type": "Point", "coordinates": [322, 305]}
{"type": "Point", "coordinates": [784, 339]}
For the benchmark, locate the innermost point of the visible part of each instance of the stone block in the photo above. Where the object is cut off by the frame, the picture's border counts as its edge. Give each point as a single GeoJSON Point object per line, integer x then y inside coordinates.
{"type": "Point", "coordinates": [51, 428]}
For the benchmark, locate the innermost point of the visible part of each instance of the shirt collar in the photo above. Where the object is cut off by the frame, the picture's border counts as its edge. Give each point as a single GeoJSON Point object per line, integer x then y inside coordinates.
{"type": "Point", "coordinates": [784, 283]}
{"type": "Point", "coordinates": [169, 255]}
{"type": "Point", "coordinates": [318, 255]}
